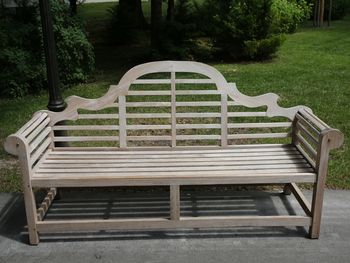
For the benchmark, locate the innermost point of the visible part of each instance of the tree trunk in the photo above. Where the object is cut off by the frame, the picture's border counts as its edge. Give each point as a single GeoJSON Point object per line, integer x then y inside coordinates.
{"type": "Point", "coordinates": [316, 13]}
{"type": "Point", "coordinates": [330, 12]}
{"type": "Point", "coordinates": [130, 14]}
{"type": "Point", "coordinates": [321, 12]}
{"type": "Point", "coordinates": [156, 21]}
{"type": "Point", "coordinates": [170, 10]}
{"type": "Point", "coordinates": [73, 6]}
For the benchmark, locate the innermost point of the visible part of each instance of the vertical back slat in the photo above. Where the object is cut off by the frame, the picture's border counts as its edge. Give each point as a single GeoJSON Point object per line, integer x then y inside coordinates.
{"type": "Point", "coordinates": [223, 120]}
{"type": "Point", "coordinates": [173, 110]}
{"type": "Point", "coordinates": [122, 122]}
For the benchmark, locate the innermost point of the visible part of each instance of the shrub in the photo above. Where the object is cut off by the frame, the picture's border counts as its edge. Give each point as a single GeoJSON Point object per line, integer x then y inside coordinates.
{"type": "Point", "coordinates": [21, 53]}
{"type": "Point", "coordinates": [287, 14]}
{"type": "Point", "coordinates": [262, 49]}
{"type": "Point", "coordinates": [74, 52]}
{"type": "Point", "coordinates": [20, 58]}
{"type": "Point", "coordinates": [241, 29]}
{"type": "Point", "coordinates": [176, 41]}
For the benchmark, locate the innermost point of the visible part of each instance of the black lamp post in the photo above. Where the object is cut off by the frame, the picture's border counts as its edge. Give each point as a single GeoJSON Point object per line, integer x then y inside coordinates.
{"type": "Point", "coordinates": [56, 103]}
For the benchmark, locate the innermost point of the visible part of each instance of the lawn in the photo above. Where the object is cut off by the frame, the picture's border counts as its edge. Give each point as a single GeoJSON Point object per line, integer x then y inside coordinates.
{"type": "Point", "coordinates": [311, 68]}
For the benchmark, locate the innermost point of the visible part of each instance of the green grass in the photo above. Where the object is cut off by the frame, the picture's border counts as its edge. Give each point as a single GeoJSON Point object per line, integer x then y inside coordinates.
{"type": "Point", "coordinates": [311, 68]}
{"type": "Point", "coordinates": [10, 180]}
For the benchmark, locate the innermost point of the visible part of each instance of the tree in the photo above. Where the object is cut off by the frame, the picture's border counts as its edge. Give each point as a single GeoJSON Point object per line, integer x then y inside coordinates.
{"type": "Point", "coordinates": [127, 21]}
{"type": "Point", "coordinates": [170, 10]}
{"type": "Point", "coordinates": [130, 14]}
{"type": "Point", "coordinates": [156, 22]}
{"type": "Point", "coordinates": [73, 6]}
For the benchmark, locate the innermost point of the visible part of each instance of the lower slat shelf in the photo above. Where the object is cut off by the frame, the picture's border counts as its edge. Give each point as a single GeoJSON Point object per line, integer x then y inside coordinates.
{"type": "Point", "coordinates": [163, 223]}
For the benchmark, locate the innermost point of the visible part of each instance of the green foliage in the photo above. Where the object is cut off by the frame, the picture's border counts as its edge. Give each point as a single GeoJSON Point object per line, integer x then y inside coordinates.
{"type": "Point", "coordinates": [185, 11]}
{"type": "Point", "coordinates": [250, 29]}
{"type": "Point", "coordinates": [261, 49]}
{"type": "Point", "coordinates": [240, 29]}
{"type": "Point", "coordinates": [21, 52]}
{"type": "Point", "coordinates": [288, 14]}
{"type": "Point", "coordinates": [20, 59]}
{"type": "Point", "coordinates": [176, 41]}
{"type": "Point", "coordinates": [74, 52]}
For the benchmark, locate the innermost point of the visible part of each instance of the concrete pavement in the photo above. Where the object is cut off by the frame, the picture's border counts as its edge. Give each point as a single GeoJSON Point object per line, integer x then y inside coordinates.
{"type": "Point", "coordinates": [207, 245]}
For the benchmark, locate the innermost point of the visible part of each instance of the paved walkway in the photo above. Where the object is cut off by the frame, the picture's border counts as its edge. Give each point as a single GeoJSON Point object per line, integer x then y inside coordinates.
{"type": "Point", "coordinates": [226, 245]}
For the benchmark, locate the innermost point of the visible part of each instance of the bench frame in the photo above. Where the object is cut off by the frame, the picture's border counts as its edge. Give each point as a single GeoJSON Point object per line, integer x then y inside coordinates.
{"type": "Point", "coordinates": [43, 139]}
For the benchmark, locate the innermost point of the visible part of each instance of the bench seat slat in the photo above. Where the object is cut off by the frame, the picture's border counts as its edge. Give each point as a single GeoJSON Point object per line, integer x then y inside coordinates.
{"type": "Point", "coordinates": [172, 164]}
{"type": "Point", "coordinates": [170, 156]}
{"type": "Point", "coordinates": [171, 168]}
{"type": "Point", "coordinates": [178, 148]}
{"type": "Point", "coordinates": [181, 160]}
{"type": "Point", "coordinates": [133, 154]}
{"type": "Point", "coordinates": [183, 178]}
{"type": "Point", "coordinates": [164, 167]}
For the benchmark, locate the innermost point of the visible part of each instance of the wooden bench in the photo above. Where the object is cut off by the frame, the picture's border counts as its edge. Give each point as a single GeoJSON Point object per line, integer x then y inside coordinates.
{"type": "Point", "coordinates": [173, 123]}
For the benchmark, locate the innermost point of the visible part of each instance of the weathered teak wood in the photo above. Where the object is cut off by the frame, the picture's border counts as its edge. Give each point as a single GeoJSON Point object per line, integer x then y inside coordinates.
{"type": "Point", "coordinates": [174, 202]}
{"type": "Point", "coordinates": [174, 131]}
{"type": "Point", "coordinates": [44, 206]}
{"type": "Point", "coordinates": [304, 203]}
{"type": "Point", "coordinates": [160, 223]}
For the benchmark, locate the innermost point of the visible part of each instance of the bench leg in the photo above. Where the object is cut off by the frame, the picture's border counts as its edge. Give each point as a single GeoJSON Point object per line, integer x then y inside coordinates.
{"type": "Point", "coordinates": [174, 202]}
{"type": "Point", "coordinates": [29, 201]}
{"type": "Point", "coordinates": [318, 190]}
{"type": "Point", "coordinates": [317, 203]}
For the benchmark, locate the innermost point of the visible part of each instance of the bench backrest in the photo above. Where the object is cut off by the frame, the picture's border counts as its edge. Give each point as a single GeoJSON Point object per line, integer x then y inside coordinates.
{"type": "Point", "coordinates": [173, 103]}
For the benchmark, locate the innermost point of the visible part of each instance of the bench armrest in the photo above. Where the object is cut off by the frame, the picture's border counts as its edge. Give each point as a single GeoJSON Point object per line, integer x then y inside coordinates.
{"type": "Point", "coordinates": [314, 138]}
{"type": "Point", "coordinates": [31, 141]}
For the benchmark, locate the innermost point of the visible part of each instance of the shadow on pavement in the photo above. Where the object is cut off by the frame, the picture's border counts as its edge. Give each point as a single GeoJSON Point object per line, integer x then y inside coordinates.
{"type": "Point", "coordinates": [100, 204]}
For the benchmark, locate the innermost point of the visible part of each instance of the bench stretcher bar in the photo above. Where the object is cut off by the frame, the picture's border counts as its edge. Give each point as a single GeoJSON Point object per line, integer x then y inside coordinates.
{"type": "Point", "coordinates": [164, 223]}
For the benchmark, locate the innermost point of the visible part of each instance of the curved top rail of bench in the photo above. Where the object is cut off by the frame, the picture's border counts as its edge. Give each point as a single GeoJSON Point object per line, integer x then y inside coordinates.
{"type": "Point", "coordinates": [269, 99]}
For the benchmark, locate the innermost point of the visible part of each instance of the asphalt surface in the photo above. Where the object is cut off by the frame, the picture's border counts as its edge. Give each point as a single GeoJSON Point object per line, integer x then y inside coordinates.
{"type": "Point", "coordinates": [277, 244]}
